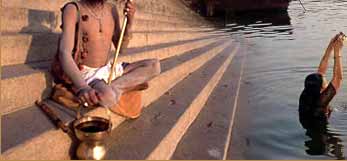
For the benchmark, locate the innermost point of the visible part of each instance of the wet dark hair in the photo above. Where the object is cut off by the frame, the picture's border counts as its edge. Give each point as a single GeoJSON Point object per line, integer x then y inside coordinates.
{"type": "Point", "coordinates": [310, 99]}
{"type": "Point", "coordinates": [313, 85]}
{"type": "Point", "coordinates": [313, 82]}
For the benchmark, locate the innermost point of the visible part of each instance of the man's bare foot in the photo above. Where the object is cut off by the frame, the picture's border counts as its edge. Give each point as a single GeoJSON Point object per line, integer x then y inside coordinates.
{"type": "Point", "coordinates": [107, 95]}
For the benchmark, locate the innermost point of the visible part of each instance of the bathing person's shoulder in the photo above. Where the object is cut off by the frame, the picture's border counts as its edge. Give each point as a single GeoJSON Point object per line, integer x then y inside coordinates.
{"type": "Point", "coordinates": [327, 95]}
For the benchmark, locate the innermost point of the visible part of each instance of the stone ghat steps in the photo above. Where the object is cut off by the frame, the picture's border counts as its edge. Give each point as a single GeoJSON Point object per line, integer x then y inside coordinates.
{"type": "Point", "coordinates": [150, 25]}
{"type": "Point", "coordinates": [47, 143]}
{"type": "Point", "coordinates": [145, 9]}
{"type": "Point", "coordinates": [156, 134]}
{"type": "Point", "coordinates": [169, 18]}
{"type": "Point", "coordinates": [49, 5]}
{"type": "Point", "coordinates": [209, 136]}
{"type": "Point", "coordinates": [29, 20]}
{"type": "Point", "coordinates": [45, 5]}
{"type": "Point", "coordinates": [26, 83]}
{"type": "Point", "coordinates": [29, 48]}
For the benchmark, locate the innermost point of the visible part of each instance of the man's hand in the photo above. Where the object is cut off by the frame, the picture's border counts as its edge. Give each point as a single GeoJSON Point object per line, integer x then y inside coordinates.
{"type": "Point", "coordinates": [130, 9]}
{"type": "Point", "coordinates": [88, 95]}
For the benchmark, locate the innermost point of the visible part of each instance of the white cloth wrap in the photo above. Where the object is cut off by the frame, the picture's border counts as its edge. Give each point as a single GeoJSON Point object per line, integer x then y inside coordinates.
{"type": "Point", "coordinates": [90, 74]}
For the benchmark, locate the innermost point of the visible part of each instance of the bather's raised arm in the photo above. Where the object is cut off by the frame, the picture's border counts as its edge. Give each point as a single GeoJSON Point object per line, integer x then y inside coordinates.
{"type": "Point", "coordinates": [338, 69]}
{"type": "Point", "coordinates": [324, 63]}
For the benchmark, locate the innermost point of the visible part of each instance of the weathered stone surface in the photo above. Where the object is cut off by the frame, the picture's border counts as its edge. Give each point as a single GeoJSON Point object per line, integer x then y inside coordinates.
{"type": "Point", "coordinates": [13, 96]}
{"type": "Point", "coordinates": [45, 5]}
{"type": "Point", "coordinates": [164, 30]}
{"type": "Point", "coordinates": [22, 20]}
{"type": "Point", "coordinates": [165, 149]}
{"type": "Point", "coordinates": [163, 115]}
{"type": "Point", "coordinates": [29, 48]}
{"type": "Point", "coordinates": [33, 148]}
{"type": "Point", "coordinates": [21, 86]}
{"type": "Point", "coordinates": [170, 7]}
{"type": "Point", "coordinates": [214, 123]}
{"type": "Point", "coordinates": [25, 48]}
{"type": "Point", "coordinates": [29, 20]}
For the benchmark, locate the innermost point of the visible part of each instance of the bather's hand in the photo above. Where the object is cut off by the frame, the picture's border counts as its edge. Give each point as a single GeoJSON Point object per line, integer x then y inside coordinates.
{"type": "Point", "coordinates": [333, 40]}
{"type": "Point", "coordinates": [338, 44]}
{"type": "Point", "coordinates": [88, 95]}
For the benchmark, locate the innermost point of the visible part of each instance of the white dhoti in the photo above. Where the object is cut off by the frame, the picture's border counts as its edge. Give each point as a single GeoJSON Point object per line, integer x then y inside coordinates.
{"type": "Point", "coordinates": [90, 74]}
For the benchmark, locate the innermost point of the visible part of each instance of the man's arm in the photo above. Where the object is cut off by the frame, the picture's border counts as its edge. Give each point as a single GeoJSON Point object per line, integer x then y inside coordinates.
{"type": "Point", "coordinates": [130, 9]}
{"type": "Point", "coordinates": [117, 28]}
{"type": "Point", "coordinates": [86, 93]}
{"type": "Point", "coordinates": [66, 46]}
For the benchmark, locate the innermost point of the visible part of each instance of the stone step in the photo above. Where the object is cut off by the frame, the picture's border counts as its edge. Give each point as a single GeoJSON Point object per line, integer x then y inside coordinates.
{"type": "Point", "coordinates": [141, 39]}
{"type": "Point", "coordinates": [209, 135]}
{"type": "Point", "coordinates": [29, 112]}
{"type": "Point", "coordinates": [25, 48]}
{"type": "Point", "coordinates": [54, 144]}
{"type": "Point", "coordinates": [145, 9]}
{"type": "Point", "coordinates": [155, 135]}
{"type": "Point", "coordinates": [170, 7]}
{"type": "Point", "coordinates": [17, 94]}
{"type": "Point", "coordinates": [28, 48]}
{"type": "Point", "coordinates": [45, 5]}
{"type": "Point", "coordinates": [28, 21]}
{"type": "Point", "coordinates": [151, 25]}
{"type": "Point", "coordinates": [169, 18]}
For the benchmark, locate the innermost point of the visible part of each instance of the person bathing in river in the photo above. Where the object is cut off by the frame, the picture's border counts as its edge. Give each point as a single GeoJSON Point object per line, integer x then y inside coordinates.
{"type": "Point", "coordinates": [100, 27]}
{"type": "Point", "coordinates": [317, 94]}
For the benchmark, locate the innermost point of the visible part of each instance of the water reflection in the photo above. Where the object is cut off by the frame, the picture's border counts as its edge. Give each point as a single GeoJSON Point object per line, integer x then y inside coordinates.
{"type": "Point", "coordinates": [267, 24]}
{"type": "Point", "coordinates": [281, 50]}
{"type": "Point", "coordinates": [321, 141]}
{"type": "Point", "coordinates": [314, 112]}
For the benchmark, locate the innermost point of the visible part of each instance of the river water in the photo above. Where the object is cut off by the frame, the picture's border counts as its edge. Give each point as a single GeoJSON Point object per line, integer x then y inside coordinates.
{"type": "Point", "coordinates": [283, 49]}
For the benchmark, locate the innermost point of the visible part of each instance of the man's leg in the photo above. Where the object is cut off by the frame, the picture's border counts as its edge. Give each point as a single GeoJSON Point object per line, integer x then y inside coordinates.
{"type": "Point", "coordinates": [137, 73]}
{"type": "Point", "coordinates": [134, 74]}
{"type": "Point", "coordinates": [107, 95]}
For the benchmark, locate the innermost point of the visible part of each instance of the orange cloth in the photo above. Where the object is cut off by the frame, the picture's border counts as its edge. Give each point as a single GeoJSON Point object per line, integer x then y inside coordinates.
{"type": "Point", "coordinates": [130, 105]}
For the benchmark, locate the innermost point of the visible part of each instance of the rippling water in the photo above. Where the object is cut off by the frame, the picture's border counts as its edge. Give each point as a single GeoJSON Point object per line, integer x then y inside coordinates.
{"type": "Point", "coordinates": [283, 49]}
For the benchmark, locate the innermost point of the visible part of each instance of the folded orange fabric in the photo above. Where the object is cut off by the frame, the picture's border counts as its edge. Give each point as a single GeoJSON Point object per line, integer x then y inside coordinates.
{"type": "Point", "coordinates": [130, 105]}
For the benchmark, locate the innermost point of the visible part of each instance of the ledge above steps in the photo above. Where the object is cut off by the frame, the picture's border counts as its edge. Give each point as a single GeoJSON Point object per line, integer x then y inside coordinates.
{"type": "Point", "coordinates": [27, 20]}
{"type": "Point", "coordinates": [148, 7]}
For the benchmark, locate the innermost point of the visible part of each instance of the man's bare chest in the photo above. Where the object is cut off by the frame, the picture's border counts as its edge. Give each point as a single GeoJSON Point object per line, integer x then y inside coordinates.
{"type": "Point", "coordinates": [96, 28]}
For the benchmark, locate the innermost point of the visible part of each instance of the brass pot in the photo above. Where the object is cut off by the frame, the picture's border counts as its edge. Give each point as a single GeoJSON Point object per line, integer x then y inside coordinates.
{"type": "Point", "coordinates": [92, 131]}
{"type": "Point", "coordinates": [91, 151]}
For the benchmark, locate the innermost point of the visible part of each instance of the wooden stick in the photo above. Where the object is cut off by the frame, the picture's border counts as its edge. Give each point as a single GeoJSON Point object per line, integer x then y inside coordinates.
{"type": "Point", "coordinates": [119, 45]}
{"type": "Point", "coordinates": [53, 116]}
